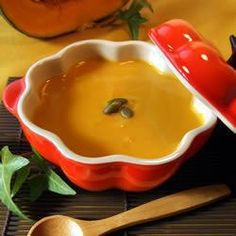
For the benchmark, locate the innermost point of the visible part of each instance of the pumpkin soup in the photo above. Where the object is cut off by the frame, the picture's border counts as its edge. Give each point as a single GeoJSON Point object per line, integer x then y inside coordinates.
{"type": "Point", "coordinates": [72, 106]}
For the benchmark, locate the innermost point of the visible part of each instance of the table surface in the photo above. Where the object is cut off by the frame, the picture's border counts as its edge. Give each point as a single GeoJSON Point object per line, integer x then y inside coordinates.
{"type": "Point", "coordinates": [215, 19]}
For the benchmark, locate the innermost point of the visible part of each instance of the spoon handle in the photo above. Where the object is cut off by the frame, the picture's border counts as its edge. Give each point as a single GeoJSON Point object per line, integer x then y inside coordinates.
{"type": "Point", "coordinates": [167, 206]}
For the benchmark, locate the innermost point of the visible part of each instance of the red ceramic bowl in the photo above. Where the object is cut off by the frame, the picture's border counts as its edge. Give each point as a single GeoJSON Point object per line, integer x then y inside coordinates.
{"type": "Point", "coordinates": [115, 171]}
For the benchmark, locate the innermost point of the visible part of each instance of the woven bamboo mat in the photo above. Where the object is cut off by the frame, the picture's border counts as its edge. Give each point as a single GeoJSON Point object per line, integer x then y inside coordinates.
{"type": "Point", "coordinates": [213, 164]}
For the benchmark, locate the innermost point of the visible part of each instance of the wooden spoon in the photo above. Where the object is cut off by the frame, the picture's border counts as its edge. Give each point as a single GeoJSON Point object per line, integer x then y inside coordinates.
{"type": "Point", "coordinates": [167, 206]}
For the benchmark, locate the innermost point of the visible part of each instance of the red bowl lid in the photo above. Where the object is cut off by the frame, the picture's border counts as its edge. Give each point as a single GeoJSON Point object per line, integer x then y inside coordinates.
{"type": "Point", "coordinates": [199, 66]}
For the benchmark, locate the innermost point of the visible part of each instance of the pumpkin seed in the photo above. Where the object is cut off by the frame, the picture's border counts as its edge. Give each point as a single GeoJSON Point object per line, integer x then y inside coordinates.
{"type": "Point", "coordinates": [126, 112]}
{"type": "Point", "coordinates": [122, 101]}
{"type": "Point", "coordinates": [114, 105]}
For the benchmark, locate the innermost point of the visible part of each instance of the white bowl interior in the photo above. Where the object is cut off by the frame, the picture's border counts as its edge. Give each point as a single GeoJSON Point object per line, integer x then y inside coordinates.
{"type": "Point", "coordinates": [116, 51]}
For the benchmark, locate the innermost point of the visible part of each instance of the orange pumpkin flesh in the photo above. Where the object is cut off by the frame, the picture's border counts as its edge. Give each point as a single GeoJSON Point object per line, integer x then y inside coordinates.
{"type": "Point", "coordinates": [48, 18]}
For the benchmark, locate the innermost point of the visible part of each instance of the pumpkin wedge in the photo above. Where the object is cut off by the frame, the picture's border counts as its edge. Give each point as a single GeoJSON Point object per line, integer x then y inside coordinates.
{"type": "Point", "coordinates": [49, 18]}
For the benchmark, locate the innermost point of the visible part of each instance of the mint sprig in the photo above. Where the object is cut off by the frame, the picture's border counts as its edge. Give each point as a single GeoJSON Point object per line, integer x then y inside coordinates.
{"type": "Point", "coordinates": [133, 17]}
{"type": "Point", "coordinates": [10, 164]}
{"type": "Point", "coordinates": [54, 182]}
{"type": "Point", "coordinates": [16, 170]}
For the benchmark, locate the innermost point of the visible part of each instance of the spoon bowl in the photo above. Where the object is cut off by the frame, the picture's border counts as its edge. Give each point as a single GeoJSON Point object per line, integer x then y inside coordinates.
{"type": "Point", "coordinates": [61, 225]}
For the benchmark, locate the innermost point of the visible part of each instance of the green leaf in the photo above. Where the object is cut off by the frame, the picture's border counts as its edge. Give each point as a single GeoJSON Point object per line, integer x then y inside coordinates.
{"type": "Point", "coordinates": [138, 5]}
{"type": "Point", "coordinates": [133, 17]}
{"type": "Point", "coordinates": [14, 171]}
{"type": "Point", "coordinates": [39, 161]}
{"type": "Point", "coordinates": [10, 165]}
{"type": "Point", "coordinates": [21, 177]}
{"type": "Point", "coordinates": [134, 25]}
{"type": "Point", "coordinates": [38, 184]}
{"type": "Point", "coordinates": [57, 185]}
{"type": "Point", "coordinates": [54, 182]}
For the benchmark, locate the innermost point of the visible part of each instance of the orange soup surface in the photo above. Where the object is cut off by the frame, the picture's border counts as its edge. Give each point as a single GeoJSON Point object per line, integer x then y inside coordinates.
{"type": "Point", "coordinates": [72, 104]}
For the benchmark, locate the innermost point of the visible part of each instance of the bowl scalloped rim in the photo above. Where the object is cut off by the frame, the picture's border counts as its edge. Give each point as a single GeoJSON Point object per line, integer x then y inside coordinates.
{"type": "Point", "coordinates": [180, 150]}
